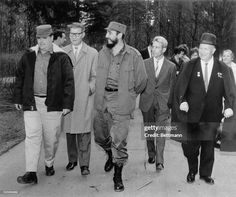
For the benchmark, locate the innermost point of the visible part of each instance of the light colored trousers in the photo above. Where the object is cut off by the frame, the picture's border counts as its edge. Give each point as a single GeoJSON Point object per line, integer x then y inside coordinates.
{"type": "Point", "coordinates": [41, 125]}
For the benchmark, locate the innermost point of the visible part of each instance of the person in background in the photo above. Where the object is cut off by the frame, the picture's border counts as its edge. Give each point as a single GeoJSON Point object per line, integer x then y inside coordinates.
{"type": "Point", "coordinates": [227, 58]}
{"type": "Point", "coordinates": [44, 89]}
{"type": "Point", "coordinates": [147, 52]}
{"type": "Point", "coordinates": [180, 57]}
{"type": "Point", "coordinates": [194, 53]}
{"type": "Point", "coordinates": [59, 38]}
{"type": "Point", "coordinates": [78, 124]}
{"type": "Point", "coordinates": [121, 76]}
{"type": "Point", "coordinates": [153, 100]}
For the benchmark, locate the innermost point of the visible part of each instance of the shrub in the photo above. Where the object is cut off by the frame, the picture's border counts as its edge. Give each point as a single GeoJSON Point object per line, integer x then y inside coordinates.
{"type": "Point", "coordinates": [8, 65]}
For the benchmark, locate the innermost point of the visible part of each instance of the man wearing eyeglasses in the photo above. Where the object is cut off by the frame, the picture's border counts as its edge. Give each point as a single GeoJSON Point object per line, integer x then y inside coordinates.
{"type": "Point", "coordinates": [78, 124]}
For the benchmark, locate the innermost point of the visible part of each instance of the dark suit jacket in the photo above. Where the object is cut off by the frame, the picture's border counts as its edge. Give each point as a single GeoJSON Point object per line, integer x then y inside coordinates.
{"type": "Point", "coordinates": [161, 86]}
{"type": "Point", "coordinates": [204, 106]}
{"type": "Point", "coordinates": [145, 53]}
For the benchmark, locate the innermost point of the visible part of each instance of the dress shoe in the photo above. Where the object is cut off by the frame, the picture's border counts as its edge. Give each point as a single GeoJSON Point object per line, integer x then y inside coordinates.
{"type": "Point", "coordinates": [109, 164]}
{"type": "Point", "coordinates": [28, 178]}
{"type": "Point", "coordinates": [49, 171]}
{"type": "Point", "coordinates": [71, 165]}
{"type": "Point", "coordinates": [159, 166]}
{"type": "Point", "coordinates": [190, 177]}
{"type": "Point", "coordinates": [85, 170]}
{"type": "Point", "coordinates": [217, 144]}
{"type": "Point", "coordinates": [207, 179]}
{"type": "Point", "coordinates": [151, 160]}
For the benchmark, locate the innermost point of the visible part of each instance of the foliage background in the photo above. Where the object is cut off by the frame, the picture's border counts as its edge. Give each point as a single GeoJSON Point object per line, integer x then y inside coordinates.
{"type": "Point", "coordinates": [180, 21]}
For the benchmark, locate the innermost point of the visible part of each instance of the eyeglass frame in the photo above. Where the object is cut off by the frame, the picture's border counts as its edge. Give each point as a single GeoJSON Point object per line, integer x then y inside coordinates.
{"type": "Point", "coordinates": [76, 34]}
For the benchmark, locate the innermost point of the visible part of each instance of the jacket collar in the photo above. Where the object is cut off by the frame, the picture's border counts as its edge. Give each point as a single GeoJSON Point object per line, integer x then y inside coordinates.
{"type": "Point", "coordinates": [84, 47]}
{"type": "Point", "coordinates": [55, 48]}
{"type": "Point", "coordinates": [126, 49]}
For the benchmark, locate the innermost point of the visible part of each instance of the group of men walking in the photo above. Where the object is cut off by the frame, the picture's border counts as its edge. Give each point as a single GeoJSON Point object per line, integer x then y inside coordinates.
{"type": "Point", "coordinates": [77, 90]}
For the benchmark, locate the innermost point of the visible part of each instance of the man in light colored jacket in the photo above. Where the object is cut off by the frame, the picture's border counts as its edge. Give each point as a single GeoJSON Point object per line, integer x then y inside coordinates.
{"type": "Point", "coordinates": [78, 124]}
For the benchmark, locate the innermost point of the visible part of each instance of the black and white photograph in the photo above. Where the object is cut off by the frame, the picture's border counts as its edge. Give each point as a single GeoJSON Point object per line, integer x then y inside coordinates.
{"type": "Point", "coordinates": [131, 98]}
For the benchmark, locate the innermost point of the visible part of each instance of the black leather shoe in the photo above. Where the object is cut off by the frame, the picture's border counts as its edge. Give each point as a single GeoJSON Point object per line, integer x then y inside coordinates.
{"type": "Point", "coordinates": [28, 178]}
{"type": "Point", "coordinates": [109, 164]}
{"type": "Point", "coordinates": [190, 177]}
{"type": "Point", "coordinates": [151, 160]}
{"type": "Point", "coordinates": [49, 171]}
{"type": "Point", "coordinates": [117, 179]}
{"type": "Point", "coordinates": [159, 166]}
{"type": "Point", "coordinates": [71, 165]}
{"type": "Point", "coordinates": [85, 170]}
{"type": "Point", "coordinates": [207, 179]}
{"type": "Point", "coordinates": [217, 144]}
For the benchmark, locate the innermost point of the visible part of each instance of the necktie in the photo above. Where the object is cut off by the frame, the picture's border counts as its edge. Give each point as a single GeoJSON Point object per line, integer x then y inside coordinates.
{"type": "Point", "coordinates": [76, 52]}
{"type": "Point", "coordinates": [156, 69]}
{"type": "Point", "coordinates": [206, 76]}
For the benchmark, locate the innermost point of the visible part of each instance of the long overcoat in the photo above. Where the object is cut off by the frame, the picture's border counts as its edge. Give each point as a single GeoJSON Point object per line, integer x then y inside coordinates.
{"type": "Point", "coordinates": [84, 67]}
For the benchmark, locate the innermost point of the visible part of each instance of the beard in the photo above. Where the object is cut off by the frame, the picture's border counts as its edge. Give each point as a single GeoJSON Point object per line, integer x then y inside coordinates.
{"type": "Point", "coordinates": [112, 44]}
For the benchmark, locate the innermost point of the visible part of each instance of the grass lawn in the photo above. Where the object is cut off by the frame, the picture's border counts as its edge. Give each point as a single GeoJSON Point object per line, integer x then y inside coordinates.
{"type": "Point", "coordinates": [11, 125]}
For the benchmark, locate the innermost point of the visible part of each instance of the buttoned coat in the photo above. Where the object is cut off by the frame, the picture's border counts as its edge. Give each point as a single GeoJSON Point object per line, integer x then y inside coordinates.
{"type": "Point", "coordinates": [84, 67]}
{"type": "Point", "coordinates": [162, 85]}
{"type": "Point", "coordinates": [206, 106]}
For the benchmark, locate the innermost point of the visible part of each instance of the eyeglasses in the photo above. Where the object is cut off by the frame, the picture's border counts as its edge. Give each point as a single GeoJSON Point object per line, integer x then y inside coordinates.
{"type": "Point", "coordinates": [76, 34]}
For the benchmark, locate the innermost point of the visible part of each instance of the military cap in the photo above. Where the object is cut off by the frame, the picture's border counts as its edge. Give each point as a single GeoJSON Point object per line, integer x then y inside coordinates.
{"type": "Point", "coordinates": [43, 31]}
{"type": "Point", "coordinates": [115, 26]}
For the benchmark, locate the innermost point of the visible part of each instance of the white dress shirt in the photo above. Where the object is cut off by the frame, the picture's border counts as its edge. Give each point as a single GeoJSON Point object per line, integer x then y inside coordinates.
{"type": "Point", "coordinates": [76, 52]}
{"type": "Point", "coordinates": [209, 68]}
{"type": "Point", "coordinates": [159, 66]}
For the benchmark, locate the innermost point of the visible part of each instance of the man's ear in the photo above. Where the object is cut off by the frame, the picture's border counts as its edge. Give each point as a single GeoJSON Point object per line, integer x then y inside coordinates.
{"type": "Point", "coordinates": [214, 49]}
{"type": "Point", "coordinates": [119, 35]}
{"type": "Point", "coordinates": [164, 50]}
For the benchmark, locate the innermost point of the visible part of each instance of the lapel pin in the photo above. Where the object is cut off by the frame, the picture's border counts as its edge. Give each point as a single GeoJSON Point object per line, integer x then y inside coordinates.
{"type": "Point", "coordinates": [198, 74]}
{"type": "Point", "coordinates": [219, 75]}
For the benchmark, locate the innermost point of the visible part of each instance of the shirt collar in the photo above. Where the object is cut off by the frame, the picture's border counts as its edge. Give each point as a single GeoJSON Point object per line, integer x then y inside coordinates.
{"type": "Point", "coordinates": [125, 49]}
{"type": "Point", "coordinates": [160, 61]}
{"type": "Point", "coordinates": [78, 46]}
{"type": "Point", "coordinates": [210, 62]}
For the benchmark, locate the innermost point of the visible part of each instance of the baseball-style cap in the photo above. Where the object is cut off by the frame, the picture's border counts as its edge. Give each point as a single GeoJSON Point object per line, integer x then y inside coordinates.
{"type": "Point", "coordinates": [115, 26]}
{"type": "Point", "coordinates": [208, 38]}
{"type": "Point", "coordinates": [43, 31]}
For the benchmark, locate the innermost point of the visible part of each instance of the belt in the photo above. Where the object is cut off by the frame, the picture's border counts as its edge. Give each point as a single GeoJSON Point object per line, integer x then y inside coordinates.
{"type": "Point", "coordinates": [41, 96]}
{"type": "Point", "coordinates": [111, 89]}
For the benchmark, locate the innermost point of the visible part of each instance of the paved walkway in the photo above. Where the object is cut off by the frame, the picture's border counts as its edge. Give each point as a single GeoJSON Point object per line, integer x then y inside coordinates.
{"type": "Point", "coordinates": [138, 180]}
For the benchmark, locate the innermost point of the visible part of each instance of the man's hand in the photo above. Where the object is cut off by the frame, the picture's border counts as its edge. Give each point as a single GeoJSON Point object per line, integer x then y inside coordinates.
{"type": "Point", "coordinates": [184, 107]}
{"type": "Point", "coordinates": [18, 106]}
{"type": "Point", "coordinates": [228, 113]}
{"type": "Point", "coordinates": [65, 112]}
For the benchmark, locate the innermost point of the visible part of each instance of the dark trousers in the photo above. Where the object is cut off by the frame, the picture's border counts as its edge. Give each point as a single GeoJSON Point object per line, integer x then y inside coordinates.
{"type": "Point", "coordinates": [156, 145]}
{"type": "Point", "coordinates": [79, 146]}
{"type": "Point", "coordinates": [200, 144]}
